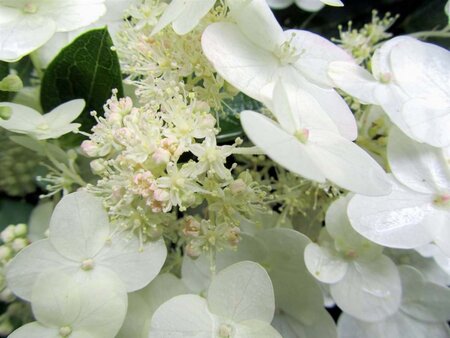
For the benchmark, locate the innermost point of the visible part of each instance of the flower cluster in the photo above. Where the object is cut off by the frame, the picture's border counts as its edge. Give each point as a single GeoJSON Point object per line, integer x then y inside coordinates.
{"type": "Point", "coordinates": [335, 194]}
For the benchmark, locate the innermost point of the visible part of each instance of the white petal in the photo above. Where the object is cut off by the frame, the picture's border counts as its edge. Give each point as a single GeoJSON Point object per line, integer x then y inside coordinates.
{"type": "Point", "coordinates": [40, 220]}
{"type": "Point", "coordinates": [347, 165]}
{"type": "Point", "coordinates": [56, 299]}
{"type": "Point", "coordinates": [346, 239]}
{"type": "Point", "coordinates": [428, 122]}
{"type": "Point", "coordinates": [23, 119]}
{"type": "Point", "coordinates": [79, 226]}
{"type": "Point", "coordinates": [70, 15]}
{"type": "Point", "coordinates": [295, 108]}
{"type": "Point", "coordinates": [290, 327]}
{"type": "Point", "coordinates": [369, 291]}
{"type": "Point", "coordinates": [64, 113]}
{"type": "Point", "coordinates": [354, 80]}
{"type": "Point", "coordinates": [171, 13]}
{"type": "Point", "coordinates": [196, 273]}
{"type": "Point", "coordinates": [421, 69]}
{"type": "Point", "coordinates": [398, 220]}
{"type": "Point", "coordinates": [242, 291]}
{"type": "Point", "coordinates": [309, 5]}
{"type": "Point", "coordinates": [423, 300]}
{"type": "Point", "coordinates": [418, 166]}
{"type": "Point", "coordinates": [317, 53]}
{"type": "Point", "coordinates": [24, 269]}
{"type": "Point", "coordinates": [381, 63]}
{"type": "Point", "coordinates": [161, 289]}
{"type": "Point", "coordinates": [325, 265]}
{"type": "Point", "coordinates": [280, 146]}
{"type": "Point", "coordinates": [257, 22]}
{"type": "Point", "coordinates": [255, 328]}
{"type": "Point", "coordinates": [135, 265]}
{"type": "Point", "coordinates": [137, 319]}
{"type": "Point", "coordinates": [336, 3]}
{"type": "Point", "coordinates": [335, 106]}
{"type": "Point", "coordinates": [238, 60]}
{"type": "Point", "coordinates": [23, 35]}
{"type": "Point", "coordinates": [192, 15]}
{"type": "Point", "coordinates": [103, 303]}
{"type": "Point", "coordinates": [182, 316]}
{"type": "Point", "coordinates": [36, 330]}
{"type": "Point", "coordinates": [398, 325]}
{"type": "Point", "coordinates": [280, 4]}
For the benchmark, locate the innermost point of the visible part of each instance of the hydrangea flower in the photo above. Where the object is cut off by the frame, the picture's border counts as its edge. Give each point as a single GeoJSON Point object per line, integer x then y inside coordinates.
{"type": "Point", "coordinates": [307, 5]}
{"type": "Point", "coordinates": [424, 311]}
{"type": "Point", "coordinates": [363, 282]}
{"type": "Point", "coordinates": [240, 304]}
{"type": "Point", "coordinates": [254, 52]}
{"type": "Point", "coordinates": [25, 120]}
{"type": "Point", "coordinates": [298, 299]}
{"type": "Point", "coordinates": [81, 244]}
{"type": "Point", "coordinates": [417, 211]}
{"type": "Point", "coordinates": [411, 81]}
{"type": "Point", "coordinates": [307, 143]}
{"type": "Point", "coordinates": [27, 25]}
{"type": "Point", "coordinates": [84, 308]}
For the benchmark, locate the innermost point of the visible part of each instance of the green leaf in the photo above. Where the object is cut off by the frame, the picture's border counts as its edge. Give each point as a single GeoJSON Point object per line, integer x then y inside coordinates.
{"type": "Point", "coordinates": [87, 68]}
{"type": "Point", "coordinates": [4, 71]}
{"type": "Point", "coordinates": [230, 126]}
{"type": "Point", "coordinates": [13, 212]}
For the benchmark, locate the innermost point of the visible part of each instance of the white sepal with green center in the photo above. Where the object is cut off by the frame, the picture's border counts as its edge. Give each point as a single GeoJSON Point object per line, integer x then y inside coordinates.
{"type": "Point", "coordinates": [26, 25]}
{"type": "Point", "coordinates": [25, 120]}
{"type": "Point", "coordinates": [92, 307]}
{"type": "Point", "coordinates": [253, 53]}
{"type": "Point", "coordinates": [240, 303]}
{"type": "Point", "coordinates": [417, 211]}
{"type": "Point", "coordinates": [306, 141]}
{"type": "Point", "coordinates": [80, 243]}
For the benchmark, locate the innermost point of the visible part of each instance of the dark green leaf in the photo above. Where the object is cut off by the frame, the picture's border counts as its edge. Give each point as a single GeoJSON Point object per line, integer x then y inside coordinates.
{"type": "Point", "coordinates": [230, 126]}
{"type": "Point", "coordinates": [13, 212]}
{"type": "Point", "coordinates": [4, 71]}
{"type": "Point", "coordinates": [87, 68]}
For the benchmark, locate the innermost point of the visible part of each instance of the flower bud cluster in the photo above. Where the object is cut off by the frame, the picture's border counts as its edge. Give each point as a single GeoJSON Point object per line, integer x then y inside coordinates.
{"type": "Point", "coordinates": [17, 167]}
{"type": "Point", "coordinates": [14, 238]}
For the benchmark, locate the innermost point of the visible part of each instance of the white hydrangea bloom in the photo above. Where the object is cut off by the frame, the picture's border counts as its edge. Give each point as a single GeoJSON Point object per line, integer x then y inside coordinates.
{"type": "Point", "coordinates": [417, 211]}
{"type": "Point", "coordinates": [80, 243]}
{"type": "Point", "coordinates": [363, 282]}
{"type": "Point", "coordinates": [184, 15]}
{"type": "Point", "coordinates": [411, 81]}
{"type": "Point", "coordinates": [424, 311]}
{"type": "Point", "coordinates": [83, 308]}
{"type": "Point", "coordinates": [26, 25]}
{"type": "Point", "coordinates": [307, 142]}
{"type": "Point", "coordinates": [254, 53]}
{"type": "Point", "coordinates": [438, 255]}
{"type": "Point", "coordinates": [25, 120]}
{"type": "Point", "coordinates": [299, 303]}
{"type": "Point", "coordinates": [240, 304]}
{"type": "Point", "coordinates": [307, 5]}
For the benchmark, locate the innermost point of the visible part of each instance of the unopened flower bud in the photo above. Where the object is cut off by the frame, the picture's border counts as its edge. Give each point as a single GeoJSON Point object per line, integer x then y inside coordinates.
{"type": "Point", "coordinates": [191, 227]}
{"type": "Point", "coordinates": [20, 230]}
{"type": "Point", "coordinates": [19, 243]}
{"type": "Point", "coordinates": [11, 83]}
{"type": "Point", "coordinates": [90, 148]}
{"type": "Point", "coordinates": [192, 251]}
{"type": "Point", "coordinates": [8, 234]}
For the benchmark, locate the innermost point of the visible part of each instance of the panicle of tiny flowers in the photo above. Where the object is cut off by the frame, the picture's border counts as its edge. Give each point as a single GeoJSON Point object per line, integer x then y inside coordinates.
{"type": "Point", "coordinates": [165, 60]}
{"type": "Point", "coordinates": [154, 163]}
{"type": "Point", "coordinates": [14, 238]}
{"type": "Point", "coordinates": [361, 43]}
